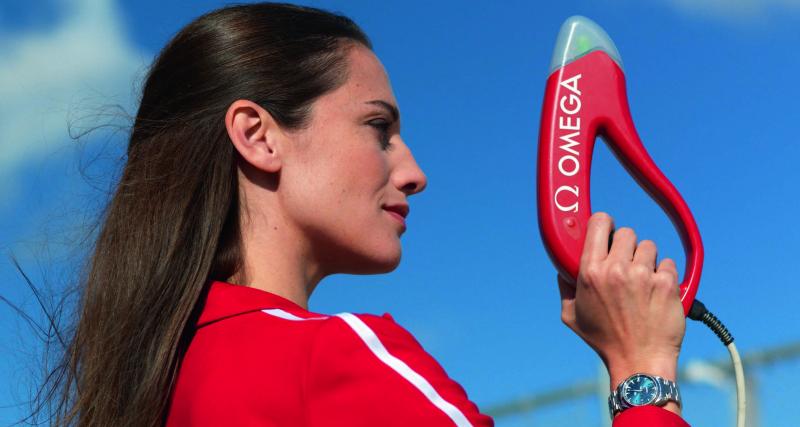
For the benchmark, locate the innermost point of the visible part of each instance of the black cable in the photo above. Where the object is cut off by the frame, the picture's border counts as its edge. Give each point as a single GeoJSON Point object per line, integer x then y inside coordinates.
{"type": "Point", "coordinates": [700, 312]}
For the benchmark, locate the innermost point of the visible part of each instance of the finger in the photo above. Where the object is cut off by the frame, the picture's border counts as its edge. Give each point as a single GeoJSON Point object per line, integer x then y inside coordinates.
{"type": "Point", "coordinates": [646, 254]}
{"type": "Point", "coordinates": [668, 265]}
{"type": "Point", "coordinates": [595, 247]}
{"type": "Point", "coordinates": [624, 244]}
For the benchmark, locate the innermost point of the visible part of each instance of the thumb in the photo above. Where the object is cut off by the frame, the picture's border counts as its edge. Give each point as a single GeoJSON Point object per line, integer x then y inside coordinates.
{"type": "Point", "coordinates": [567, 291]}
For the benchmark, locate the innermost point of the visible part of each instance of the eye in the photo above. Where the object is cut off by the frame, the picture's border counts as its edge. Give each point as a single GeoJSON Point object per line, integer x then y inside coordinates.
{"type": "Point", "coordinates": [382, 126]}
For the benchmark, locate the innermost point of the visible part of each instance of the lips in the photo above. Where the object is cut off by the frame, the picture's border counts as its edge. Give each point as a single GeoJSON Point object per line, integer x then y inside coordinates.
{"type": "Point", "coordinates": [399, 209]}
{"type": "Point", "coordinates": [398, 212]}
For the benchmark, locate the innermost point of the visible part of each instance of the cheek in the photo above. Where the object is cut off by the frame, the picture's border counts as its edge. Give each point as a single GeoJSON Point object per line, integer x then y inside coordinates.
{"type": "Point", "coordinates": [340, 190]}
{"type": "Point", "coordinates": [356, 189]}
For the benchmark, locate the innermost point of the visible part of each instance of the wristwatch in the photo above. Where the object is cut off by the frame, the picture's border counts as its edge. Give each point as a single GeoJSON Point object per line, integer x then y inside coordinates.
{"type": "Point", "coordinates": [640, 390]}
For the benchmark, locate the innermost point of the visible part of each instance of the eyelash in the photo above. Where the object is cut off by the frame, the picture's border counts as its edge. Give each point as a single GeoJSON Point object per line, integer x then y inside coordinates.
{"type": "Point", "coordinates": [382, 126]}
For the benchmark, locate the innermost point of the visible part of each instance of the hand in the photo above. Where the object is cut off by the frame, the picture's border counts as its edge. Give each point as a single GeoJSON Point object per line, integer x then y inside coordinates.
{"type": "Point", "coordinates": [627, 309]}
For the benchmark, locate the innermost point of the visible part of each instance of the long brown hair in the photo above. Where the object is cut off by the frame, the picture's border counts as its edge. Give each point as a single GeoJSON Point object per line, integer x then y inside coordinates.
{"type": "Point", "coordinates": [173, 221]}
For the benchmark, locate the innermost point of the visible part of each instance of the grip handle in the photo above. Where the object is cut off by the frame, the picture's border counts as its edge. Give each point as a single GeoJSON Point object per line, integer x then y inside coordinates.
{"type": "Point", "coordinates": [583, 100]}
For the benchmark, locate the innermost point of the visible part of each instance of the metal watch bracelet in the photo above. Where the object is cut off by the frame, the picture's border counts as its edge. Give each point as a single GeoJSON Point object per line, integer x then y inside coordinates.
{"type": "Point", "coordinates": [667, 390]}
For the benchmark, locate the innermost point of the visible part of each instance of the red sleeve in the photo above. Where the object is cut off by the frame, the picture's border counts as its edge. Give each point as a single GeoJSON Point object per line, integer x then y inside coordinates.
{"type": "Point", "coordinates": [367, 371]}
{"type": "Point", "coordinates": [650, 416]}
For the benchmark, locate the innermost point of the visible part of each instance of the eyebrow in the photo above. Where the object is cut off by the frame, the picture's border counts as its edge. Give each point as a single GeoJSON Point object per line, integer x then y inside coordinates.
{"type": "Point", "coordinates": [392, 109]}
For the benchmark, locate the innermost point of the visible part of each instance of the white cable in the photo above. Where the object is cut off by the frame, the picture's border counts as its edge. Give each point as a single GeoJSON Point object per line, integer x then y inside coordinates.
{"type": "Point", "coordinates": [741, 399]}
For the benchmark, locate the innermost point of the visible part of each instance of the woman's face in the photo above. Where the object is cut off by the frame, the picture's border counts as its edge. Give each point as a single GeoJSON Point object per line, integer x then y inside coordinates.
{"type": "Point", "coordinates": [348, 170]}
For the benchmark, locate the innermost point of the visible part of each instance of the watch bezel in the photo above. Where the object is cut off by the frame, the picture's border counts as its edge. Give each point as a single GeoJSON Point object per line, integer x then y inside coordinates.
{"type": "Point", "coordinates": [626, 385]}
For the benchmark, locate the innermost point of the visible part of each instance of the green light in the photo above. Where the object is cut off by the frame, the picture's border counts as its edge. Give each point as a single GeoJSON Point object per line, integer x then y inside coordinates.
{"type": "Point", "coordinates": [582, 45]}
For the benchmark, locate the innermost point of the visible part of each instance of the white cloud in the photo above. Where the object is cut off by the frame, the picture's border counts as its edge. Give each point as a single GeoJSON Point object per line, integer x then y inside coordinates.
{"type": "Point", "coordinates": [736, 10]}
{"type": "Point", "coordinates": [82, 62]}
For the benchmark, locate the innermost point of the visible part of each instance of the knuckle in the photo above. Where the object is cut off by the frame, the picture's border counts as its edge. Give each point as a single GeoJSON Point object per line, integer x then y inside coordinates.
{"type": "Point", "coordinates": [640, 272]}
{"type": "Point", "coordinates": [568, 320]}
{"type": "Point", "coordinates": [617, 272]}
{"type": "Point", "coordinates": [665, 282]}
{"type": "Point", "coordinates": [592, 273]}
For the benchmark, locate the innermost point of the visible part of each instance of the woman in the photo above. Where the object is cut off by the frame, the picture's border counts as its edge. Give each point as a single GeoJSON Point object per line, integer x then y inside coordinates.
{"type": "Point", "coordinates": [266, 155]}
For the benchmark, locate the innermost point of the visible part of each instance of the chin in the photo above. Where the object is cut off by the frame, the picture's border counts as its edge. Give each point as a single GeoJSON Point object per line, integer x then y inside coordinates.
{"type": "Point", "coordinates": [364, 256]}
{"type": "Point", "coordinates": [376, 260]}
{"type": "Point", "coordinates": [378, 264]}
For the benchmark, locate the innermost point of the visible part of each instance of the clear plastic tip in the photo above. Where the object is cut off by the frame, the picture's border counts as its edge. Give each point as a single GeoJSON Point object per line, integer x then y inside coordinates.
{"type": "Point", "coordinates": [579, 36]}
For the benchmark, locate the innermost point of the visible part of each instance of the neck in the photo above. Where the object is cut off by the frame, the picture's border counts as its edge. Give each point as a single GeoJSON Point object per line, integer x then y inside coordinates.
{"type": "Point", "coordinates": [276, 258]}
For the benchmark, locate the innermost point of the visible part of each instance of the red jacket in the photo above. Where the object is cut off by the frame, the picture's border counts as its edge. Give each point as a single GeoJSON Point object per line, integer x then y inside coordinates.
{"type": "Point", "coordinates": [258, 359]}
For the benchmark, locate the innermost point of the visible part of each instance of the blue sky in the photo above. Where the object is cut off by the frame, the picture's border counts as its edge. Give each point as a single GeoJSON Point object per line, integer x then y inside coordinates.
{"type": "Point", "coordinates": [712, 88]}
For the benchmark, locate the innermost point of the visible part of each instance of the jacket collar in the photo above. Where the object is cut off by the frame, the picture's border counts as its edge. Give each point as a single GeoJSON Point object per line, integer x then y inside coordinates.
{"type": "Point", "coordinates": [227, 300]}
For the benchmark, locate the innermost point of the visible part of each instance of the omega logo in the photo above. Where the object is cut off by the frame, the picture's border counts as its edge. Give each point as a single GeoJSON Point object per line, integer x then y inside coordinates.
{"type": "Point", "coordinates": [568, 120]}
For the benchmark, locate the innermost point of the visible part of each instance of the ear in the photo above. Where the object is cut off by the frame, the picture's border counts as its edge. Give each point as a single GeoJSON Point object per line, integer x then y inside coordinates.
{"type": "Point", "coordinates": [255, 134]}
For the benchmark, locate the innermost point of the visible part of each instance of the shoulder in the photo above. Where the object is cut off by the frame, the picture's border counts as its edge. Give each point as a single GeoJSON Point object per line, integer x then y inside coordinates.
{"type": "Point", "coordinates": [246, 369]}
{"type": "Point", "coordinates": [263, 330]}
{"type": "Point", "coordinates": [309, 337]}
{"type": "Point", "coordinates": [299, 352]}
{"type": "Point", "coordinates": [286, 365]}
{"type": "Point", "coordinates": [355, 331]}
{"type": "Point", "coordinates": [370, 345]}
{"type": "Point", "coordinates": [292, 341]}
{"type": "Point", "coordinates": [366, 369]}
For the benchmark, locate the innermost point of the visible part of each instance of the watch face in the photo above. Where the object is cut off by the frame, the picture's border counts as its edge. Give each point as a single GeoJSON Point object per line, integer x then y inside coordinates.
{"type": "Point", "coordinates": [639, 390]}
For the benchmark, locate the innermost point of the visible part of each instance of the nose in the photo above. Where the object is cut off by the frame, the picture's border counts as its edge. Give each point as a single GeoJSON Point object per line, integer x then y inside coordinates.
{"type": "Point", "coordinates": [407, 175]}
